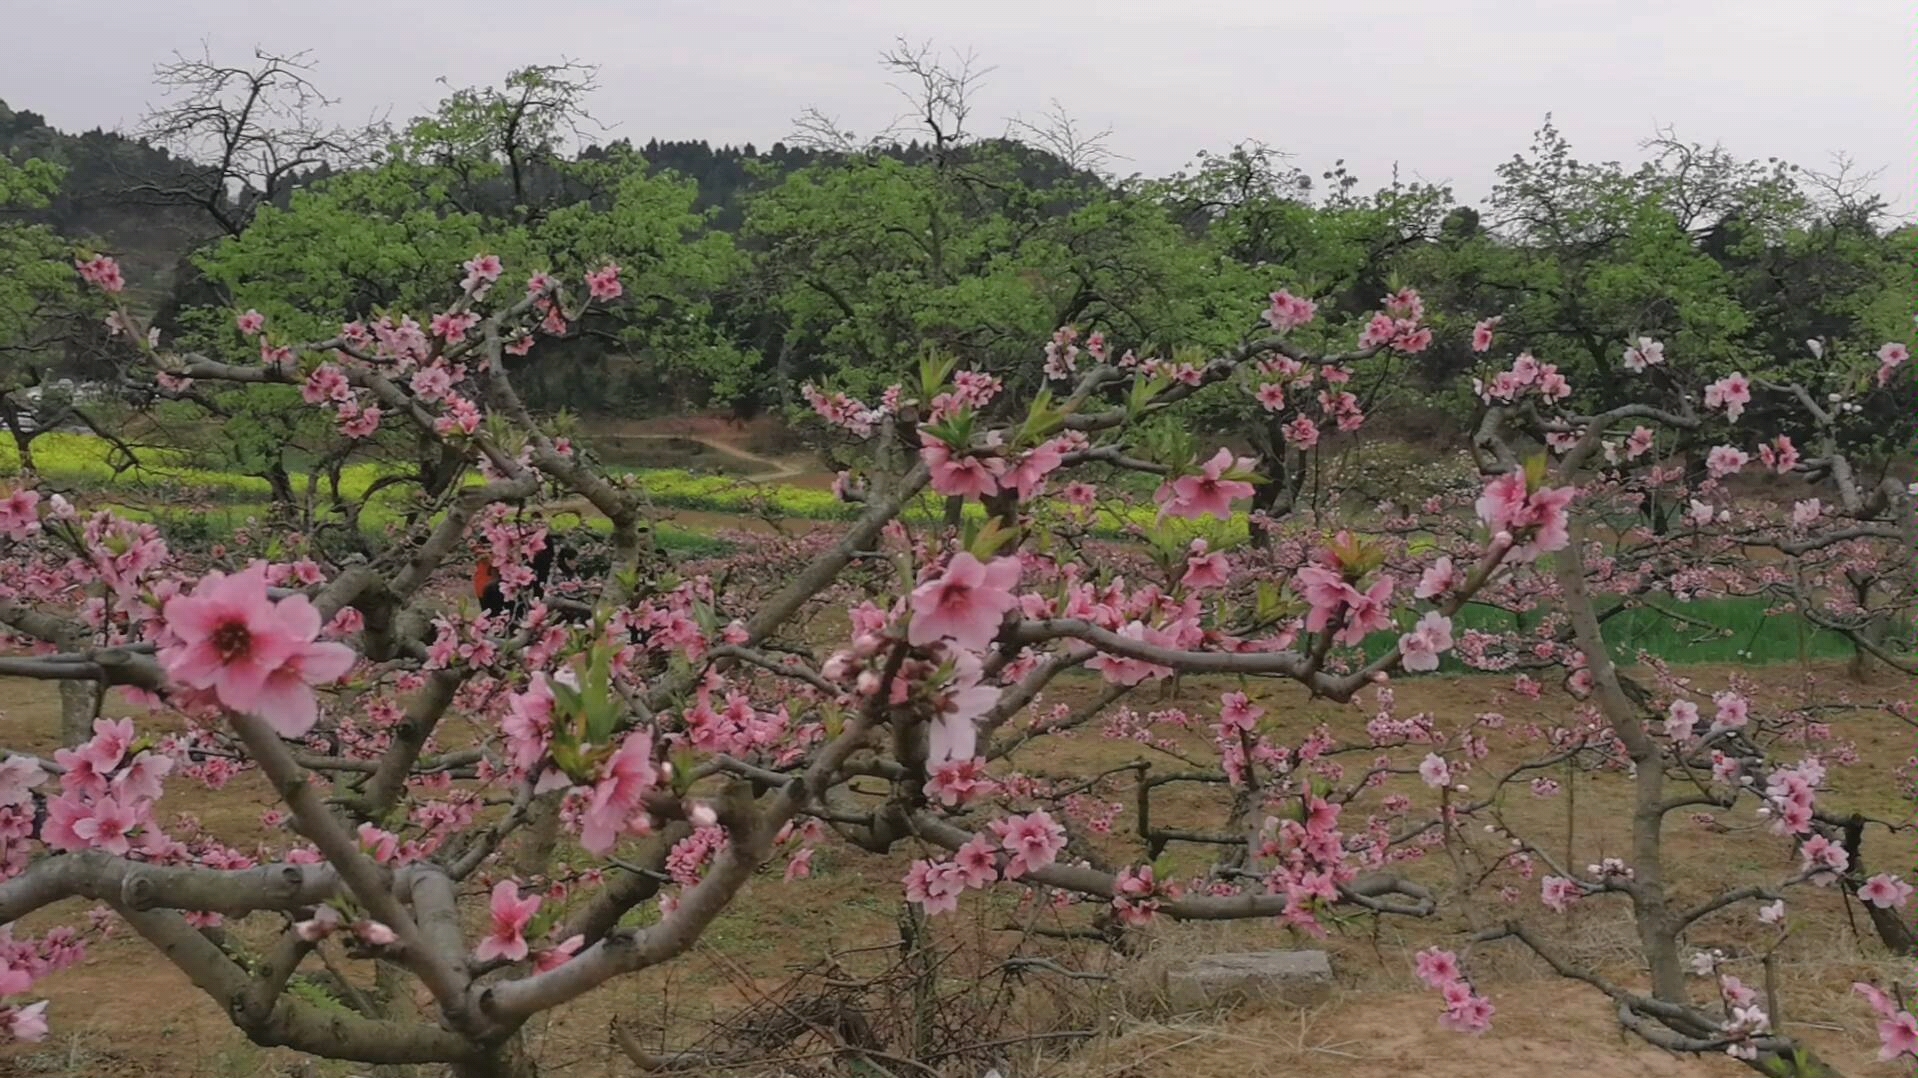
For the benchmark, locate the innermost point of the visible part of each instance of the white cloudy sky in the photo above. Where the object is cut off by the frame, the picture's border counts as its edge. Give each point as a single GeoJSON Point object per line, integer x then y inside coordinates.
{"type": "Point", "coordinates": [1444, 89]}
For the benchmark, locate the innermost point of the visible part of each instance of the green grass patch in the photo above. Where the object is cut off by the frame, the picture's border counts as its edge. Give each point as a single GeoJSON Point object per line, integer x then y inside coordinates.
{"type": "Point", "coordinates": [220, 523]}
{"type": "Point", "coordinates": [1736, 630]}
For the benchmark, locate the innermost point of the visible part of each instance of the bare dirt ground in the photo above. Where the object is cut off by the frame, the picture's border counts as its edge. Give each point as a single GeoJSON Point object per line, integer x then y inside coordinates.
{"type": "Point", "coordinates": [126, 1012]}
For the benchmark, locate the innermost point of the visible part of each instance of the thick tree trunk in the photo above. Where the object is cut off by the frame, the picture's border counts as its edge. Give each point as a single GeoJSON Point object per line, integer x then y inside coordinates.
{"type": "Point", "coordinates": [1874, 631]}
{"type": "Point", "coordinates": [282, 485]}
{"type": "Point", "coordinates": [79, 706]}
{"type": "Point", "coordinates": [1651, 901]}
{"type": "Point", "coordinates": [1893, 930]}
{"type": "Point", "coordinates": [535, 855]}
{"type": "Point", "coordinates": [23, 443]}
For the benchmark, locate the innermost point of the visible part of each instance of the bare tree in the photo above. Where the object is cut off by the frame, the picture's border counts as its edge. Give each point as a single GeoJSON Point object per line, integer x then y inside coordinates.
{"type": "Point", "coordinates": [255, 128]}
{"type": "Point", "coordinates": [1057, 133]}
{"type": "Point", "coordinates": [939, 102]}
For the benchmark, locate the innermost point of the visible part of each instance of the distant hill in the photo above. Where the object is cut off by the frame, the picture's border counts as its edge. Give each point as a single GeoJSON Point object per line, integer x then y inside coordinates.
{"type": "Point", "coordinates": [107, 196]}
{"type": "Point", "coordinates": [101, 201]}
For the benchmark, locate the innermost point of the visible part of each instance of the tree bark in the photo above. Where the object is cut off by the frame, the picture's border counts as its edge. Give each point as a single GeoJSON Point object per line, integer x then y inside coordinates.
{"type": "Point", "coordinates": [1893, 931]}
{"type": "Point", "coordinates": [1651, 902]}
{"type": "Point", "coordinates": [79, 706]}
{"type": "Point", "coordinates": [535, 855]}
{"type": "Point", "coordinates": [1874, 631]}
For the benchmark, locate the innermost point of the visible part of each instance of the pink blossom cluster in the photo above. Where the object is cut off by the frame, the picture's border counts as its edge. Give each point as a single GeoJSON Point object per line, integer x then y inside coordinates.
{"type": "Point", "coordinates": [1062, 353]}
{"type": "Point", "coordinates": [1309, 859]}
{"type": "Point", "coordinates": [1526, 377]}
{"type": "Point", "coordinates": [1136, 895]}
{"type": "Point", "coordinates": [23, 962]}
{"type": "Point", "coordinates": [1646, 353]}
{"type": "Point", "coordinates": [1891, 356]}
{"type": "Point", "coordinates": [1731, 393]}
{"type": "Point", "coordinates": [252, 654]}
{"type": "Point", "coordinates": [839, 410]}
{"type": "Point", "coordinates": [1897, 1025]}
{"type": "Point", "coordinates": [1029, 843]}
{"type": "Point", "coordinates": [691, 856]}
{"type": "Point", "coordinates": [985, 473]}
{"type": "Point", "coordinates": [1329, 586]}
{"type": "Point", "coordinates": [1531, 522]}
{"type": "Point", "coordinates": [102, 273]}
{"type": "Point", "coordinates": [1397, 327]}
{"type": "Point", "coordinates": [1465, 1010]}
{"type": "Point", "coordinates": [1288, 312]}
{"type": "Point", "coordinates": [108, 788]}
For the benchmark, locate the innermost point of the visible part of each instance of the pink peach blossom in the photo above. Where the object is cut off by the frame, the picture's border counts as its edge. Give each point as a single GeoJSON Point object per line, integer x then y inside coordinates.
{"type": "Point", "coordinates": [257, 656]}
{"type": "Point", "coordinates": [1898, 1036]}
{"type": "Point", "coordinates": [1558, 893]}
{"type": "Point", "coordinates": [1437, 579]}
{"type": "Point", "coordinates": [625, 779]}
{"type": "Point", "coordinates": [1732, 393]}
{"type": "Point", "coordinates": [1725, 460]}
{"type": "Point", "coordinates": [1482, 335]}
{"type": "Point", "coordinates": [603, 283]}
{"type": "Point", "coordinates": [1426, 642]}
{"type": "Point", "coordinates": [1288, 312]}
{"type": "Point", "coordinates": [551, 958]}
{"type": "Point", "coordinates": [1203, 570]}
{"type": "Point", "coordinates": [28, 1023]}
{"type": "Point", "coordinates": [1437, 968]}
{"type": "Point", "coordinates": [1886, 891]}
{"type": "Point", "coordinates": [1034, 841]}
{"type": "Point", "coordinates": [965, 604]}
{"type": "Point", "coordinates": [20, 514]}
{"type": "Point", "coordinates": [510, 913]}
{"type": "Point", "coordinates": [1208, 493]}
{"type": "Point", "coordinates": [1647, 353]}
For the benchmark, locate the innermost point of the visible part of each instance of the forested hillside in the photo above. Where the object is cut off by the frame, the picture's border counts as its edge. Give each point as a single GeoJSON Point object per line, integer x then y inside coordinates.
{"type": "Point", "coordinates": [837, 259]}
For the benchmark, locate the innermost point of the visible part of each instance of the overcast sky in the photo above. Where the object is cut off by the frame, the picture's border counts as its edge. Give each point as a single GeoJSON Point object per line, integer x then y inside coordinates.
{"type": "Point", "coordinates": [1444, 89]}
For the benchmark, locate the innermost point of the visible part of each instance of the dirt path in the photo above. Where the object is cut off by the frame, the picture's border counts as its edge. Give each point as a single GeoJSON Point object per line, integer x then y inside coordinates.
{"type": "Point", "coordinates": [774, 469]}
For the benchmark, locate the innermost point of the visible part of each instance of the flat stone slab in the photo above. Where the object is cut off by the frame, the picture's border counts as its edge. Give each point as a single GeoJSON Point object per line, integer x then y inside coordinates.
{"type": "Point", "coordinates": [1211, 982]}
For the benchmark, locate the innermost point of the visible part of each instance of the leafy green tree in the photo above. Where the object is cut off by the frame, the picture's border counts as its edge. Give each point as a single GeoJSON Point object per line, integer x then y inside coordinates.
{"type": "Point", "coordinates": [1579, 258]}
{"type": "Point", "coordinates": [488, 172]}
{"type": "Point", "coordinates": [877, 253]}
{"type": "Point", "coordinates": [49, 330]}
{"type": "Point", "coordinates": [1279, 229]}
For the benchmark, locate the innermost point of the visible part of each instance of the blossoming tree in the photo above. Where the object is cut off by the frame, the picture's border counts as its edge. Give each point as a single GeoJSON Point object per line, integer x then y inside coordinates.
{"type": "Point", "coordinates": [686, 735]}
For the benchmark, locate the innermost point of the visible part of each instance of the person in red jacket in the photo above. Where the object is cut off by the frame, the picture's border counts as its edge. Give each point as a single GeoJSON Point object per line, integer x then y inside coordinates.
{"type": "Point", "coordinates": [486, 584]}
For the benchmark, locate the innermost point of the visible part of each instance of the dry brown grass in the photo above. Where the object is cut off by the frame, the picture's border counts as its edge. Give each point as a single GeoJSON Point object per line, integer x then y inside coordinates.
{"type": "Point", "coordinates": [125, 1012]}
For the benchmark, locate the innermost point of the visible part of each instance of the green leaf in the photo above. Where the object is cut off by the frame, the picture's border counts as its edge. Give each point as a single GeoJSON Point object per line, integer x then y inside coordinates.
{"type": "Point", "coordinates": [684, 768]}
{"type": "Point", "coordinates": [566, 699]}
{"type": "Point", "coordinates": [1042, 420]}
{"type": "Point", "coordinates": [1144, 391]}
{"type": "Point", "coordinates": [989, 539]}
{"type": "Point", "coordinates": [1536, 470]}
{"type": "Point", "coordinates": [933, 375]}
{"type": "Point", "coordinates": [602, 705]}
